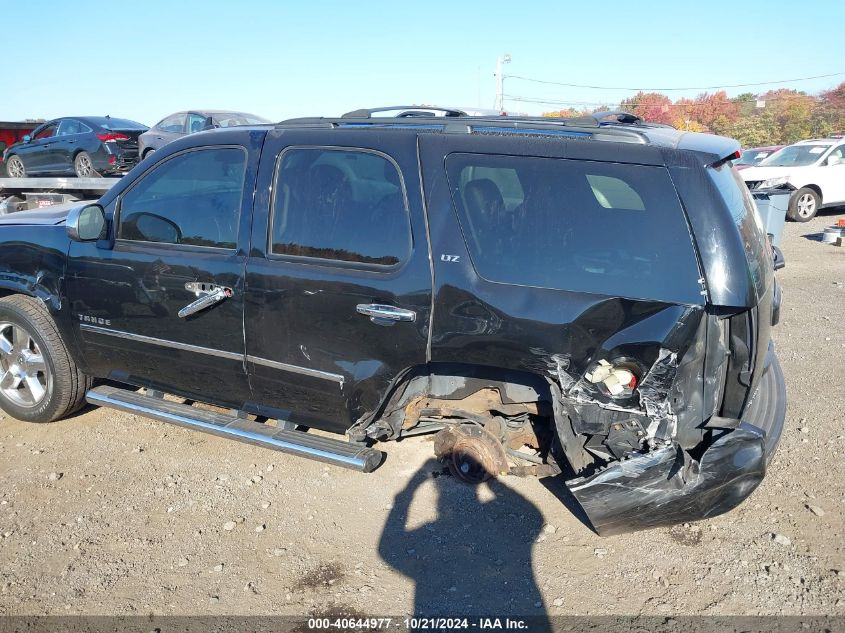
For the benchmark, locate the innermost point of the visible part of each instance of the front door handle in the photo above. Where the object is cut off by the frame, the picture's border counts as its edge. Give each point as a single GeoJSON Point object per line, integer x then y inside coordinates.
{"type": "Point", "coordinates": [205, 300]}
{"type": "Point", "coordinates": [380, 313]}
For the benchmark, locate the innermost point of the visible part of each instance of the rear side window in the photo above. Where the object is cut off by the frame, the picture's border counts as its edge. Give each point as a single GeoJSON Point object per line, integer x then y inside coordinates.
{"type": "Point", "coordinates": [193, 198]}
{"type": "Point", "coordinates": [174, 123]}
{"type": "Point", "coordinates": [343, 205]}
{"type": "Point", "coordinates": [595, 227]}
{"type": "Point", "coordinates": [744, 213]}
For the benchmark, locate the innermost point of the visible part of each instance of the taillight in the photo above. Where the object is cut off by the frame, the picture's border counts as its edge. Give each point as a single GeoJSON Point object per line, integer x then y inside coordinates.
{"type": "Point", "coordinates": [111, 136]}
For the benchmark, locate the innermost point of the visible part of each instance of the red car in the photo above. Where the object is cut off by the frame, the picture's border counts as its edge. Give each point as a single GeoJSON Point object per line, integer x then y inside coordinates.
{"type": "Point", "coordinates": [753, 155]}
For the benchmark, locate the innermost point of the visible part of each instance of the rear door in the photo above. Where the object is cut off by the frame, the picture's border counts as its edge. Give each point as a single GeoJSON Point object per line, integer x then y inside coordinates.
{"type": "Point", "coordinates": [181, 232]}
{"type": "Point", "coordinates": [68, 139]}
{"type": "Point", "coordinates": [338, 280]}
{"type": "Point", "coordinates": [169, 129]}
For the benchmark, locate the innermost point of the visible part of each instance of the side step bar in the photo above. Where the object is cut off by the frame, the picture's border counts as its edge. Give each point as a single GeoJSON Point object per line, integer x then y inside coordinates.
{"type": "Point", "coordinates": [324, 449]}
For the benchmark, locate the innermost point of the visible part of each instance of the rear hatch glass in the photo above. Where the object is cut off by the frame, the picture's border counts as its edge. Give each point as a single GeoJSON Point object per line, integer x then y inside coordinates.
{"type": "Point", "coordinates": [585, 226]}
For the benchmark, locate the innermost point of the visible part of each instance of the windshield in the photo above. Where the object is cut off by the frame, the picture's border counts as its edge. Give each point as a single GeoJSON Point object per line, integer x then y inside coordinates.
{"type": "Point", "coordinates": [795, 155]}
{"type": "Point", "coordinates": [753, 156]}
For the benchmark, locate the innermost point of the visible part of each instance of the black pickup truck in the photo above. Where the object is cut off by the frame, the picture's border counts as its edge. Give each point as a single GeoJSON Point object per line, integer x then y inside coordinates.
{"type": "Point", "coordinates": [591, 299]}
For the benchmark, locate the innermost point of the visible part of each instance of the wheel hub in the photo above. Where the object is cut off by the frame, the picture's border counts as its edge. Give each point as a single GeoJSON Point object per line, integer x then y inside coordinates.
{"type": "Point", "coordinates": [471, 453]}
{"type": "Point", "coordinates": [24, 378]}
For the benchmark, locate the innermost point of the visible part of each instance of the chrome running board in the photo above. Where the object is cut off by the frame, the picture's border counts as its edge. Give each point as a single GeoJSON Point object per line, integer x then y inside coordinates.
{"type": "Point", "coordinates": [324, 449]}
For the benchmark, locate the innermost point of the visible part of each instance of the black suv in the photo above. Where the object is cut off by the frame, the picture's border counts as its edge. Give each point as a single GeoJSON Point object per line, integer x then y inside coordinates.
{"type": "Point", "coordinates": [588, 298]}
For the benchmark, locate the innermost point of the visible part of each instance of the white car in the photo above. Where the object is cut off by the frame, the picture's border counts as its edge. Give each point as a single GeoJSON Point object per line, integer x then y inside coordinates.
{"type": "Point", "coordinates": [815, 168]}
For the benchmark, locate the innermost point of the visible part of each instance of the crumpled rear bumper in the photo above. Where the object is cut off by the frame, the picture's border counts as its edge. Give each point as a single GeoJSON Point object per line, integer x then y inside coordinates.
{"type": "Point", "coordinates": [667, 486]}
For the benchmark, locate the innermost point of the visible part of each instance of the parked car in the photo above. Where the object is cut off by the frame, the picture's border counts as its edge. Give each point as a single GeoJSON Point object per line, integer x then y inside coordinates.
{"type": "Point", "coordinates": [83, 146]}
{"type": "Point", "coordinates": [594, 300]}
{"type": "Point", "coordinates": [179, 124]}
{"type": "Point", "coordinates": [754, 155]}
{"type": "Point", "coordinates": [815, 169]}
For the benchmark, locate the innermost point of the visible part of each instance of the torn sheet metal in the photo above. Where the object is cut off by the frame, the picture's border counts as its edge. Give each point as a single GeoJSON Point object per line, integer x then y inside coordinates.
{"type": "Point", "coordinates": [654, 388]}
{"type": "Point", "coordinates": [666, 486]}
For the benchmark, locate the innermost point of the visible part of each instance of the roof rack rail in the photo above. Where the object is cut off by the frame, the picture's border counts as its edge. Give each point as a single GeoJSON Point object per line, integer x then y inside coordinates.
{"type": "Point", "coordinates": [408, 111]}
{"type": "Point", "coordinates": [599, 118]}
{"type": "Point", "coordinates": [480, 125]}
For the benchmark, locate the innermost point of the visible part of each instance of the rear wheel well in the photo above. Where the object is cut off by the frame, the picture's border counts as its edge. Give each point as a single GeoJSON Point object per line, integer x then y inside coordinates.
{"type": "Point", "coordinates": [462, 390]}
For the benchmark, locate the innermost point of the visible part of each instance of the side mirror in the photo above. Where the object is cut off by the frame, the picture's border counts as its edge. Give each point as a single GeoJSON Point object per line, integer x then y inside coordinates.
{"type": "Point", "coordinates": [209, 124]}
{"type": "Point", "coordinates": [86, 224]}
{"type": "Point", "coordinates": [834, 159]}
{"type": "Point", "coordinates": [27, 138]}
{"type": "Point", "coordinates": [778, 259]}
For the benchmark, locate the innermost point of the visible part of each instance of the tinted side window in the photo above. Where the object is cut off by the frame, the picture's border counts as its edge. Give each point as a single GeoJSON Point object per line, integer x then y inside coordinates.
{"type": "Point", "coordinates": [193, 198]}
{"type": "Point", "coordinates": [345, 205]}
{"type": "Point", "coordinates": [575, 225]}
{"type": "Point", "coordinates": [196, 122]}
{"type": "Point", "coordinates": [69, 126]}
{"type": "Point", "coordinates": [46, 132]}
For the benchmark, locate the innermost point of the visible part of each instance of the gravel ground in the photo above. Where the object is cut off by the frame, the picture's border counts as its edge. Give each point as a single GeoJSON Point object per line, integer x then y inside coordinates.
{"type": "Point", "coordinates": [109, 513]}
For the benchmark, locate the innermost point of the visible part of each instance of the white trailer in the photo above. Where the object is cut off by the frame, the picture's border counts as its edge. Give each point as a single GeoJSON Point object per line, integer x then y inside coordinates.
{"type": "Point", "coordinates": [22, 194]}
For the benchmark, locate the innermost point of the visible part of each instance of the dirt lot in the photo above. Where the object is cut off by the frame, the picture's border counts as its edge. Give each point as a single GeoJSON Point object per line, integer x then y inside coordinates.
{"type": "Point", "coordinates": [108, 513]}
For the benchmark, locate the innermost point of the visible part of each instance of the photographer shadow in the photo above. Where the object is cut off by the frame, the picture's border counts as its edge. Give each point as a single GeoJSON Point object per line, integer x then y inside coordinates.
{"type": "Point", "coordinates": [474, 557]}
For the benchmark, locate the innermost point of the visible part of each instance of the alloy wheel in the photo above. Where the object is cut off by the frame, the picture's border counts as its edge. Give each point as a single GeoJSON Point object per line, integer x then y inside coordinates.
{"type": "Point", "coordinates": [24, 377]}
{"type": "Point", "coordinates": [15, 168]}
{"type": "Point", "coordinates": [806, 206]}
{"type": "Point", "coordinates": [84, 168]}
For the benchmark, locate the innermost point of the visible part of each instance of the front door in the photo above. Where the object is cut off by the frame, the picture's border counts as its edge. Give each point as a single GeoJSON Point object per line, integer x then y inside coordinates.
{"type": "Point", "coordinates": [831, 175]}
{"type": "Point", "coordinates": [179, 236]}
{"type": "Point", "coordinates": [338, 280]}
{"type": "Point", "coordinates": [38, 155]}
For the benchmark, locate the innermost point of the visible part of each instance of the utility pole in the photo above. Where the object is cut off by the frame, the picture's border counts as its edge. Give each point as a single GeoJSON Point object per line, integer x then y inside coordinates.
{"type": "Point", "coordinates": [500, 81]}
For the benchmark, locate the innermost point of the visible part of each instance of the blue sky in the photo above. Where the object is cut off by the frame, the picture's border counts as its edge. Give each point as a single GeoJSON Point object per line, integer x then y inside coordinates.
{"type": "Point", "coordinates": [143, 60]}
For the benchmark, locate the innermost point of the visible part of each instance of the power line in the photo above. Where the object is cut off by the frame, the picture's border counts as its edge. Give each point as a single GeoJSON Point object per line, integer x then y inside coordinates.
{"type": "Point", "coordinates": [690, 104]}
{"type": "Point", "coordinates": [759, 83]}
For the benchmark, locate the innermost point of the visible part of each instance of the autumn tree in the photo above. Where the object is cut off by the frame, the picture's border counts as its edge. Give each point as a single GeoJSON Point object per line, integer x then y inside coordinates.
{"type": "Point", "coordinates": [775, 117]}
{"type": "Point", "coordinates": [651, 106]}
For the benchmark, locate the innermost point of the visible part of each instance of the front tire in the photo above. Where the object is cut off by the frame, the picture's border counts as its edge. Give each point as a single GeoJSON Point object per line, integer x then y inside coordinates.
{"type": "Point", "coordinates": [83, 166]}
{"type": "Point", "coordinates": [15, 167]}
{"type": "Point", "coordinates": [39, 381]}
{"type": "Point", "coordinates": [803, 205]}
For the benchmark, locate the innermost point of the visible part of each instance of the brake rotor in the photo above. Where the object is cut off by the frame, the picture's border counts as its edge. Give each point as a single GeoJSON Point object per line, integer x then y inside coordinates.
{"type": "Point", "coordinates": [471, 453]}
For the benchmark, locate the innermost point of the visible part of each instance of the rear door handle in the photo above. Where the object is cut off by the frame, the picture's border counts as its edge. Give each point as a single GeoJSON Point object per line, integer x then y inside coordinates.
{"type": "Point", "coordinates": [380, 313]}
{"type": "Point", "coordinates": [205, 300]}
